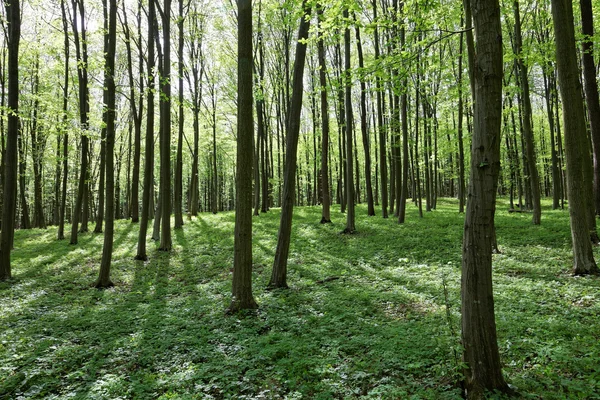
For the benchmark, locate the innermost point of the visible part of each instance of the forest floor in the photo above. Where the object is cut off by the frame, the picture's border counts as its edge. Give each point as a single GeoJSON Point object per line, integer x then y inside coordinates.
{"type": "Point", "coordinates": [385, 328]}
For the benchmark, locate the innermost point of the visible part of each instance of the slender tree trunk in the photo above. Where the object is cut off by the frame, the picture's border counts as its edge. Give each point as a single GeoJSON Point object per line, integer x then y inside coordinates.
{"type": "Point", "coordinates": [165, 137]}
{"type": "Point", "coordinates": [326, 200]}
{"type": "Point", "coordinates": [350, 213]}
{"type": "Point", "coordinates": [104, 274]}
{"type": "Point", "coordinates": [363, 129]}
{"type": "Point", "coordinates": [63, 128]}
{"type": "Point", "coordinates": [149, 142]}
{"type": "Point", "coordinates": [279, 274]}
{"type": "Point", "coordinates": [380, 126]}
{"type": "Point", "coordinates": [461, 151]}
{"type": "Point", "coordinates": [527, 124]}
{"type": "Point", "coordinates": [80, 211]}
{"type": "Point", "coordinates": [178, 195]}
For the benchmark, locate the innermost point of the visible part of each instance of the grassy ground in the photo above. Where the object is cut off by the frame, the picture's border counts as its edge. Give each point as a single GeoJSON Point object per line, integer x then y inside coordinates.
{"type": "Point", "coordinates": [379, 331]}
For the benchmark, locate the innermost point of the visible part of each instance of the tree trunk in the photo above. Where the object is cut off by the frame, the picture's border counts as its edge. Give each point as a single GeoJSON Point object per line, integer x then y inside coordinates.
{"type": "Point", "coordinates": [149, 143]}
{"type": "Point", "coordinates": [242, 257]}
{"type": "Point", "coordinates": [363, 128]}
{"type": "Point", "coordinates": [165, 132]}
{"type": "Point", "coordinates": [326, 200]}
{"type": "Point", "coordinates": [575, 135]}
{"type": "Point", "coordinates": [178, 195]}
{"type": "Point", "coordinates": [109, 70]}
{"type": "Point", "coordinates": [483, 369]}
{"type": "Point", "coordinates": [527, 123]}
{"type": "Point", "coordinates": [13, 16]}
{"type": "Point", "coordinates": [279, 274]}
{"type": "Point", "coordinates": [63, 128]}
{"type": "Point", "coordinates": [350, 217]}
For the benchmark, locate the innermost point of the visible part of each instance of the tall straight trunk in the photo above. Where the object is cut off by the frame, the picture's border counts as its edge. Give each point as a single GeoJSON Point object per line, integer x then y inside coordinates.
{"type": "Point", "coordinates": [461, 150]}
{"type": "Point", "coordinates": [279, 274]}
{"type": "Point", "coordinates": [63, 127]}
{"type": "Point", "coordinates": [326, 200]}
{"type": "Point", "coordinates": [242, 259]}
{"type": "Point", "coordinates": [575, 136]}
{"type": "Point", "coordinates": [178, 189]}
{"type": "Point", "coordinates": [37, 154]}
{"type": "Point", "coordinates": [350, 213]}
{"type": "Point", "coordinates": [416, 158]}
{"type": "Point", "coordinates": [80, 212]}
{"type": "Point", "coordinates": [13, 16]}
{"type": "Point", "coordinates": [165, 133]}
{"type": "Point", "coordinates": [405, 153]}
{"type": "Point", "coordinates": [363, 128]}
{"type": "Point", "coordinates": [136, 111]}
{"type": "Point", "coordinates": [149, 141]}
{"type": "Point", "coordinates": [526, 121]}
{"type": "Point", "coordinates": [380, 126]}
{"type": "Point", "coordinates": [591, 92]}
{"type": "Point", "coordinates": [109, 70]}
{"type": "Point", "coordinates": [483, 369]}
{"type": "Point", "coordinates": [101, 181]}
{"type": "Point", "coordinates": [556, 180]}
{"type": "Point", "coordinates": [25, 220]}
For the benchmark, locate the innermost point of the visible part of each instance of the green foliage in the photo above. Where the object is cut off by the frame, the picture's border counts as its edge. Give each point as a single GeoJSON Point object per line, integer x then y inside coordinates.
{"type": "Point", "coordinates": [380, 330]}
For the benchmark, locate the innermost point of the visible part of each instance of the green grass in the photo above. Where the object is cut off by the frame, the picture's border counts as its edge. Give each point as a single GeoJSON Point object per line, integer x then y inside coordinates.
{"type": "Point", "coordinates": [379, 331]}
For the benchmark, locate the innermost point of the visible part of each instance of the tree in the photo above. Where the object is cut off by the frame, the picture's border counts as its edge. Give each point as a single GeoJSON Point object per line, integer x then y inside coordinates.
{"type": "Point", "coordinates": [13, 16]}
{"type": "Point", "coordinates": [526, 121]}
{"type": "Point", "coordinates": [63, 128]}
{"type": "Point", "coordinates": [279, 274]}
{"type": "Point", "coordinates": [241, 289]}
{"type": "Point", "coordinates": [109, 71]}
{"type": "Point", "coordinates": [591, 92]}
{"type": "Point", "coordinates": [80, 39]}
{"type": "Point", "coordinates": [165, 131]}
{"type": "Point", "coordinates": [483, 370]}
{"type": "Point", "coordinates": [575, 136]}
{"type": "Point", "coordinates": [349, 183]}
{"type": "Point", "coordinates": [326, 200]}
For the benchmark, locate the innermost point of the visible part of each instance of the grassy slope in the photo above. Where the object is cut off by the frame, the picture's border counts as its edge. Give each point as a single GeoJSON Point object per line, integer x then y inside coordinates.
{"type": "Point", "coordinates": [379, 331]}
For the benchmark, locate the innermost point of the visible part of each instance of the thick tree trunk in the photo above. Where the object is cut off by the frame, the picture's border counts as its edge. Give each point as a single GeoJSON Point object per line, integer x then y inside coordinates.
{"type": "Point", "coordinates": [575, 135]}
{"type": "Point", "coordinates": [483, 369]}
{"type": "Point", "coordinates": [591, 92]}
{"type": "Point", "coordinates": [279, 274]}
{"type": "Point", "coordinates": [13, 16]}
{"type": "Point", "coordinates": [242, 257]}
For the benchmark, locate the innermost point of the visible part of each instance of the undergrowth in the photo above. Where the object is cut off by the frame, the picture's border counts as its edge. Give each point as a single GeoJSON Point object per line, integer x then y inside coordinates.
{"type": "Point", "coordinates": [366, 315]}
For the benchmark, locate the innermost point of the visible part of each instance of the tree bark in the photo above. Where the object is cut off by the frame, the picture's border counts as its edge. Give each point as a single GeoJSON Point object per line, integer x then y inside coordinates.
{"type": "Point", "coordinates": [326, 200]}
{"type": "Point", "coordinates": [527, 123]}
{"type": "Point", "coordinates": [483, 369]}
{"type": "Point", "coordinates": [13, 16]}
{"type": "Point", "coordinates": [241, 290]}
{"type": "Point", "coordinates": [349, 184]}
{"type": "Point", "coordinates": [279, 274]}
{"type": "Point", "coordinates": [109, 70]}
{"type": "Point", "coordinates": [149, 141]}
{"type": "Point", "coordinates": [575, 136]}
{"type": "Point", "coordinates": [165, 132]}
